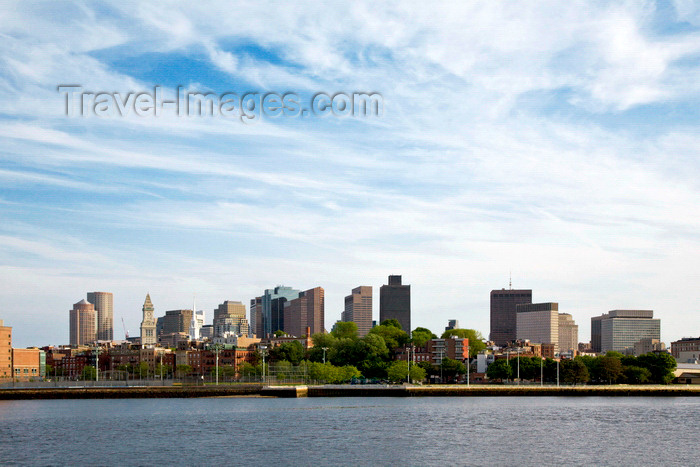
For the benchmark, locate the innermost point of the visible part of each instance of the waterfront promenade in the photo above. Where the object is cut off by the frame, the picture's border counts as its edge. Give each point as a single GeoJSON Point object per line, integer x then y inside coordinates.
{"type": "Point", "coordinates": [293, 391]}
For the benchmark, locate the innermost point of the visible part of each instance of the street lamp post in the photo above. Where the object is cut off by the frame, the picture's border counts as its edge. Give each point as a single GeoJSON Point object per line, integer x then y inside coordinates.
{"type": "Point", "coordinates": [541, 371]}
{"type": "Point", "coordinates": [558, 373]}
{"type": "Point", "coordinates": [468, 366]}
{"type": "Point", "coordinates": [217, 348]}
{"type": "Point", "coordinates": [324, 354]}
{"type": "Point", "coordinates": [518, 365]}
{"type": "Point", "coordinates": [263, 348]}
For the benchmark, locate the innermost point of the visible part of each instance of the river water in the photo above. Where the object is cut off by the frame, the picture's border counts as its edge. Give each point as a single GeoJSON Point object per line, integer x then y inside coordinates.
{"type": "Point", "coordinates": [352, 431]}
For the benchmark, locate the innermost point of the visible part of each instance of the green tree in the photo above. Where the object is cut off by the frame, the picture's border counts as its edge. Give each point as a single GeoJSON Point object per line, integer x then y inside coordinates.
{"type": "Point", "coordinates": [661, 365]}
{"type": "Point", "coordinates": [397, 371]}
{"type": "Point", "coordinates": [391, 322]}
{"type": "Point", "coordinates": [292, 352]}
{"type": "Point", "coordinates": [637, 375]}
{"type": "Point", "coordinates": [476, 340]}
{"type": "Point", "coordinates": [249, 371]}
{"type": "Point", "coordinates": [280, 333]}
{"type": "Point", "coordinates": [345, 330]}
{"type": "Point", "coordinates": [500, 369]}
{"type": "Point", "coordinates": [420, 336]}
{"type": "Point", "coordinates": [163, 370]}
{"type": "Point", "coordinates": [417, 374]}
{"type": "Point", "coordinates": [321, 340]}
{"type": "Point", "coordinates": [574, 371]}
{"type": "Point", "coordinates": [142, 369]}
{"type": "Point", "coordinates": [183, 370]}
{"type": "Point", "coordinates": [89, 373]}
{"type": "Point", "coordinates": [609, 368]}
{"type": "Point", "coordinates": [393, 336]}
{"type": "Point", "coordinates": [451, 369]}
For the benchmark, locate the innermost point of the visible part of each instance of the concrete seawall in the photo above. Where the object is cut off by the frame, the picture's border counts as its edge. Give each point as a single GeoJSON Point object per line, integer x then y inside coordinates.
{"type": "Point", "coordinates": [347, 391]}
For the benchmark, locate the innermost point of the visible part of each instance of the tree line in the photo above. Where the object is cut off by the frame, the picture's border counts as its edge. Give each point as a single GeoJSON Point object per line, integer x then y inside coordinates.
{"type": "Point", "coordinates": [611, 368]}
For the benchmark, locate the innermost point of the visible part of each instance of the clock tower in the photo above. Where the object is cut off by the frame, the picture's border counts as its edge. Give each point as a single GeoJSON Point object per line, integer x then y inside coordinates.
{"type": "Point", "coordinates": [148, 325]}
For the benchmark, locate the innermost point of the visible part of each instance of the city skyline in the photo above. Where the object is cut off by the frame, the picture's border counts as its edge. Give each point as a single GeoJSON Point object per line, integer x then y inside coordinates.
{"type": "Point", "coordinates": [564, 151]}
{"type": "Point", "coordinates": [149, 307]}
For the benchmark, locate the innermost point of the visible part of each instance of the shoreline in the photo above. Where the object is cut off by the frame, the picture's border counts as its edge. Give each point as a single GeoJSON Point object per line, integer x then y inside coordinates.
{"type": "Point", "coordinates": [347, 391]}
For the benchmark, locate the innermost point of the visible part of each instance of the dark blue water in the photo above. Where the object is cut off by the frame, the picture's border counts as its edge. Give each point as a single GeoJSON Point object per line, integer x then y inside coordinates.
{"type": "Point", "coordinates": [351, 431]}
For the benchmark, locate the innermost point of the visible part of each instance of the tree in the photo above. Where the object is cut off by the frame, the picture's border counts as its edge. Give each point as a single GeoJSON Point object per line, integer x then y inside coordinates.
{"type": "Point", "coordinates": [89, 373]}
{"type": "Point", "coordinates": [661, 366]}
{"type": "Point", "coordinates": [476, 340]}
{"type": "Point", "coordinates": [397, 371]}
{"type": "Point", "coordinates": [345, 329]}
{"type": "Point", "coordinates": [280, 333]}
{"type": "Point", "coordinates": [420, 336]}
{"type": "Point", "coordinates": [391, 322]}
{"type": "Point", "coordinates": [183, 370]}
{"type": "Point", "coordinates": [500, 369]}
{"type": "Point", "coordinates": [417, 374]}
{"type": "Point", "coordinates": [292, 352]}
{"type": "Point", "coordinates": [142, 369]}
{"type": "Point", "coordinates": [609, 368]}
{"type": "Point", "coordinates": [574, 371]}
{"type": "Point", "coordinates": [163, 370]}
{"type": "Point", "coordinates": [637, 375]}
{"type": "Point", "coordinates": [393, 336]}
{"type": "Point", "coordinates": [452, 368]}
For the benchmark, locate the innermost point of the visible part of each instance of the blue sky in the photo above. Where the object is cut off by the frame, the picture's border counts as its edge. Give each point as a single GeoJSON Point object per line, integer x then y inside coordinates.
{"type": "Point", "coordinates": [558, 141]}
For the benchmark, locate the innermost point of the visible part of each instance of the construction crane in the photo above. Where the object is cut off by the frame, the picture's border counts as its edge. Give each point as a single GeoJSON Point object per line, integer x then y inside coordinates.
{"type": "Point", "coordinates": [126, 333]}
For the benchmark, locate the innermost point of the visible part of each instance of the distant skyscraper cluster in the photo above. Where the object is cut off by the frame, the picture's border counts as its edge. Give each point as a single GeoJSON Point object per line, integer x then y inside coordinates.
{"type": "Point", "coordinates": [92, 319]}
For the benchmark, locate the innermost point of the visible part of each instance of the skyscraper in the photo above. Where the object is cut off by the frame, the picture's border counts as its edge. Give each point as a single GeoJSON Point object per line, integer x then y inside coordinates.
{"type": "Point", "coordinates": [307, 310]}
{"type": "Point", "coordinates": [538, 322]}
{"type": "Point", "coordinates": [621, 329]}
{"type": "Point", "coordinates": [82, 323]}
{"type": "Point", "coordinates": [177, 321]}
{"type": "Point", "coordinates": [568, 333]}
{"type": "Point", "coordinates": [256, 321]}
{"type": "Point", "coordinates": [148, 323]}
{"type": "Point", "coordinates": [358, 309]}
{"type": "Point", "coordinates": [229, 318]}
{"type": "Point", "coordinates": [503, 314]}
{"type": "Point", "coordinates": [272, 304]}
{"type": "Point", "coordinates": [104, 309]}
{"type": "Point", "coordinates": [395, 302]}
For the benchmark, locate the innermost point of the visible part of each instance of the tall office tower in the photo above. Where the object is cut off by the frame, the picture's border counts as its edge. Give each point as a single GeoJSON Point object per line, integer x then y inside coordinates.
{"type": "Point", "coordinates": [503, 314]}
{"type": "Point", "coordinates": [358, 309]}
{"type": "Point", "coordinates": [177, 321]}
{"type": "Point", "coordinates": [148, 323]}
{"type": "Point", "coordinates": [82, 323]}
{"type": "Point", "coordinates": [538, 322]}
{"type": "Point", "coordinates": [395, 303]}
{"type": "Point", "coordinates": [256, 321]}
{"type": "Point", "coordinates": [595, 333]}
{"type": "Point", "coordinates": [272, 302]}
{"type": "Point", "coordinates": [307, 310]}
{"type": "Point", "coordinates": [159, 325]}
{"type": "Point", "coordinates": [5, 351]}
{"type": "Point", "coordinates": [196, 324]}
{"type": "Point", "coordinates": [229, 319]}
{"type": "Point", "coordinates": [568, 333]}
{"type": "Point", "coordinates": [621, 329]}
{"type": "Point", "coordinates": [452, 324]}
{"type": "Point", "coordinates": [104, 308]}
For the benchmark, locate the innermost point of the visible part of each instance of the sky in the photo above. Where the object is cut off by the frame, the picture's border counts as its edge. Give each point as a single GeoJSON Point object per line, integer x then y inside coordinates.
{"type": "Point", "coordinates": [556, 143]}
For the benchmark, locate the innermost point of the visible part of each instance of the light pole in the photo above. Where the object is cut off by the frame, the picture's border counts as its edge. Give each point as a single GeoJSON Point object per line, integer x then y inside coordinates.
{"type": "Point", "coordinates": [408, 364]}
{"type": "Point", "coordinates": [324, 354]}
{"type": "Point", "coordinates": [541, 371]}
{"type": "Point", "coordinates": [468, 366]}
{"type": "Point", "coordinates": [557, 373]}
{"type": "Point", "coordinates": [518, 365]}
{"type": "Point", "coordinates": [263, 348]}
{"type": "Point", "coordinates": [161, 368]}
{"type": "Point", "coordinates": [217, 347]}
{"type": "Point", "coordinates": [97, 363]}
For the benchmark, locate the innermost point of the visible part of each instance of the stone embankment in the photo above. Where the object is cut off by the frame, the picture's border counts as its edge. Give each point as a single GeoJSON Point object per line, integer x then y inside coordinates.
{"type": "Point", "coordinates": [346, 391]}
